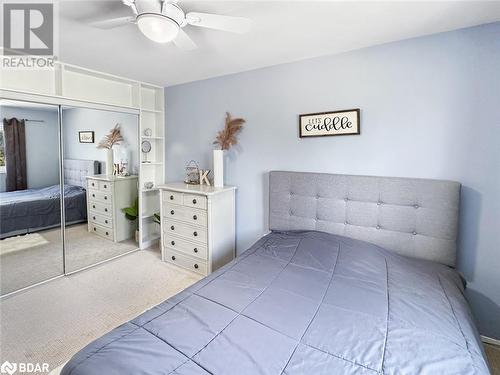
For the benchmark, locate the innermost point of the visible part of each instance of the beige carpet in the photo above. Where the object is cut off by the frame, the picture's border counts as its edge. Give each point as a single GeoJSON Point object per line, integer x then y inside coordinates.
{"type": "Point", "coordinates": [493, 354]}
{"type": "Point", "coordinates": [43, 261]}
{"type": "Point", "coordinates": [50, 322]}
{"type": "Point", "coordinates": [18, 243]}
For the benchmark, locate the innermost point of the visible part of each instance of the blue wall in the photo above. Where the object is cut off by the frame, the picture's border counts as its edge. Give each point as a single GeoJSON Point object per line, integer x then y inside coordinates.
{"type": "Point", "coordinates": [100, 122]}
{"type": "Point", "coordinates": [430, 107]}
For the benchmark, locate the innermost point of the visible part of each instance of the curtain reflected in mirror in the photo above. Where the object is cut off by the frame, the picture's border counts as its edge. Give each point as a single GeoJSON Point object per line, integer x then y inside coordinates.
{"type": "Point", "coordinates": [31, 248]}
{"type": "Point", "coordinates": [100, 165]}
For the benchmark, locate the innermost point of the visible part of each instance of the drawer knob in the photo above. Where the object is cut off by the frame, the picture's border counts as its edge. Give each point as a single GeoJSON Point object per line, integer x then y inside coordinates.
{"type": "Point", "coordinates": [106, 221]}
{"type": "Point", "coordinates": [93, 195]}
{"type": "Point", "coordinates": [195, 250]}
{"type": "Point", "coordinates": [172, 212]}
{"type": "Point", "coordinates": [95, 229]}
{"type": "Point", "coordinates": [105, 210]}
{"type": "Point", "coordinates": [94, 217]}
{"type": "Point", "coordinates": [172, 242]}
{"type": "Point", "coordinates": [195, 234]}
{"type": "Point", "coordinates": [107, 233]}
{"type": "Point", "coordinates": [93, 184]}
{"type": "Point", "coordinates": [105, 197]}
{"type": "Point", "coordinates": [171, 197]}
{"type": "Point", "coordinates": [194, 201]}
{"type": "Point", "coordinates": [93, 206]}
{"type": "Point", "coordinates": [196, 266]}
{"type": "Point", "coordinates": [172, 227]}
{"type": "Point", "coordinates": [173, 257]}
{"type": "Point", "coordinates": [195, 217]}
{"type": "Point", "coordinates": [105, 186]}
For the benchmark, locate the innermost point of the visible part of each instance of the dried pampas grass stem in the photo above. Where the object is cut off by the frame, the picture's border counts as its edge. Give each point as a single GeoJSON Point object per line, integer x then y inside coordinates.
{"type": "Point", "coordinates": [113, 138]}
{"type": "Point", "coordinates": [227, 137]}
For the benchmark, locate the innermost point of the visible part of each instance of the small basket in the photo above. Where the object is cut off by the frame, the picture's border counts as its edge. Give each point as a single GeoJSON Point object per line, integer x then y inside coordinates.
{"type": "Point", "coordinates": [192, 173]}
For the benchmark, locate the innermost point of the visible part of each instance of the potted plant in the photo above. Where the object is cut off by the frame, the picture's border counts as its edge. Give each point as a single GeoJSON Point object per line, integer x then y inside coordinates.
{"type": "Point", "coordinates": [132, 213]}
{"type": "Point", "coordinates": [157, 218]}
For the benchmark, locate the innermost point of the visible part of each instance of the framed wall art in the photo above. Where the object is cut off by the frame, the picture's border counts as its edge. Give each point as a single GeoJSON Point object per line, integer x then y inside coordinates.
{"type": "Point", "coordinates": [324, 124]}
{"type": "Point", "coordinates": [86, 136]}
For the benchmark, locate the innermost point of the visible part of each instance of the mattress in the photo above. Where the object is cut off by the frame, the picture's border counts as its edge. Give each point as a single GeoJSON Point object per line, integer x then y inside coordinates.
{"type": "Point", "coordinates": [301, 303]}
{"type": "Point", "coordinates": [28, 210]}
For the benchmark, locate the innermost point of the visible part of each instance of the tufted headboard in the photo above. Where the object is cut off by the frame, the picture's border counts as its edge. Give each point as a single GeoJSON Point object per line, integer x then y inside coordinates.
{"type": "Point", "coordinates": [76, 171]}
{"type": "Point", "coordinates": [413, 217]}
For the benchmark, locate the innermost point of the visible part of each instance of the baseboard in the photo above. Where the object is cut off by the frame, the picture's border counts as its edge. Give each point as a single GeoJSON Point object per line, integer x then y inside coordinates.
{"type": "Point", "coordinates": [489, 340]}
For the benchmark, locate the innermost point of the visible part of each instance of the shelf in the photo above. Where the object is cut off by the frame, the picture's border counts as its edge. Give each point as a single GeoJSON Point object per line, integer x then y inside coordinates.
{"type": "Point", "coordinates": [152, 190]}
{"type": "Point", "coordinates": [151, 110]}
{"type": "Point", "coordinates": [146, 217]}
{"type": "Point", "coordinates": [151, 237]}
{"type": "Point", "coordinates": [151, 163]}
{"type": "Point", "coordinates": [154, 138]}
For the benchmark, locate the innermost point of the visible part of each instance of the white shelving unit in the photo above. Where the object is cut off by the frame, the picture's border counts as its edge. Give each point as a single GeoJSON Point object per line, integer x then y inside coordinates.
{"type": "Point", "coordinates": [73, 85]}
{"type": "Point", "coordinates": [152, 165]}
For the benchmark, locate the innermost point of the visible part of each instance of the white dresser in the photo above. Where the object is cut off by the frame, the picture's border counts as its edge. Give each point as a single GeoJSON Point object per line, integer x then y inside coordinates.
{"type": "Point", "coordinates": [106, 196]}
{"type": "Point", "coordinates": [197, 226]}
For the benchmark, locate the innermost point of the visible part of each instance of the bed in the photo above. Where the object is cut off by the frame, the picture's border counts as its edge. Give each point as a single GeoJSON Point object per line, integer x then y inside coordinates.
{"type": "Point", "coordinates": [356, 277]}
{"type": "Point", "coordinates": [31, 210]}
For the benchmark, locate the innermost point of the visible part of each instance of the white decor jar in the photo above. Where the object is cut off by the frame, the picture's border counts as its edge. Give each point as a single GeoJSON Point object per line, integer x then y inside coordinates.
{"type": "Point", "coordinates": [109, 162]}
{"type": "Point", "coordinates": [219, 168]}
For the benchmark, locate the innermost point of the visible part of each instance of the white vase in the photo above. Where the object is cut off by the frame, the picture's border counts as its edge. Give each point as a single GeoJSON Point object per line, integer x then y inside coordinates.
{"type": "Point", "coordinates": [109, 162]}
{"type": "Point", "coordinates": [218, 168]}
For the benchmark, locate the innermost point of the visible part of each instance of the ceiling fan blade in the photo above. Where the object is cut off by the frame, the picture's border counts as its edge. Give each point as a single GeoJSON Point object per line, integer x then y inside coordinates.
{"type": "Point", "coordinates": [184, 42]}
{"type": "Point", "coordinates": [232, 24]}
{"type": "Point", "coordinates": [111, 23]}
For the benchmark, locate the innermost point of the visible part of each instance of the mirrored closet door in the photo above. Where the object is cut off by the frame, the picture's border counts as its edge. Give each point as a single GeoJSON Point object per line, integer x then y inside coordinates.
{"type": "Point", "coordinates": [71, 165]}
{"type": "Point", "coordinates": [101, 165]}
{"type": "Point", "coordinates": [31, 245]}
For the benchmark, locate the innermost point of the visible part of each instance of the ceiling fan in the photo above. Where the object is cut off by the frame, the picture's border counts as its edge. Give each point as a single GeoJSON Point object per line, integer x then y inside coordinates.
{"type": "Point", "coordinates": [162, 21]}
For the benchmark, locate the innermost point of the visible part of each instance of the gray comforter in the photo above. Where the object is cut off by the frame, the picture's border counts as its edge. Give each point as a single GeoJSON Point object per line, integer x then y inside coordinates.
{"type": "Point", "coordinates": [301, 303]}
{"type": "Point", "coordinates": [25, 211]}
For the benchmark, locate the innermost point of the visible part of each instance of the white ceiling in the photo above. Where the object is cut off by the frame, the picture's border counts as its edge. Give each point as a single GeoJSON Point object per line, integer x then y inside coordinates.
{"type": "Point", "coordinates": [283, 31]}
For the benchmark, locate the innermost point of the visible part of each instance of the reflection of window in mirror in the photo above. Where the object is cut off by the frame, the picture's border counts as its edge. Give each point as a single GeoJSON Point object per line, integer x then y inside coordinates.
{"type": "Point", "coordinates": [31, 248]}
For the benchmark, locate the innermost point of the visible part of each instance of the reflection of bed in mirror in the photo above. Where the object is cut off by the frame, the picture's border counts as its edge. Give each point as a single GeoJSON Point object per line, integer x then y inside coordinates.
{"type": "Point", "coordinates": [32, 210]}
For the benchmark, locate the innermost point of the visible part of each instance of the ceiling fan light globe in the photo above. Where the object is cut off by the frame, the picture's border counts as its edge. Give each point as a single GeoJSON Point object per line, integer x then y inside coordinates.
{"type": "Point", "coordinates": [158, 28]}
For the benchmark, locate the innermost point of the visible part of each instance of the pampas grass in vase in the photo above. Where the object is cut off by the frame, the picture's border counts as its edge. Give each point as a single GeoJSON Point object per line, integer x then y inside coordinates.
{"type": "Point", "coordinates": [225, 139]}
{"type": "Point", "coordinates": [113, 138]}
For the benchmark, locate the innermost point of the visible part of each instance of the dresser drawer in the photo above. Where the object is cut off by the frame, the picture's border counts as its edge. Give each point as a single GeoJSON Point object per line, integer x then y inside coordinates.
{"type": "Point", "coordinates": [99, 197]}
{"type": "Point", "coordinates": [105, 221]}
{"type": "Point", "coordinates": [101, 208]}
{"type": "Point", "coordinates": [185, 246]}
{"type": "Point", "coordinates": [101, 231]}
{"type": "Point", "coordinates": [196, 201]}
{"type": "Point", "coordinates": [105, 186]}
{"type": "Point", "coordinates": [172, 197]}
{"type": "Point", "coordinates": [185, 261]}
{"type": "Point", "coordinates": [178, 228]}
{"type": "Point", "coordinates": [93, 185]}
{"type": "Point", "coordinates": [187, 214]}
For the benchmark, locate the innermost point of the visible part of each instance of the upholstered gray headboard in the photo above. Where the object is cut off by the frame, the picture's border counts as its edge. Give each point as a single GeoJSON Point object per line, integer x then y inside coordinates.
{"type": "Point", "coordinates": [413, 217]}
{"type": "Point", "coordinates": [76, 171]}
